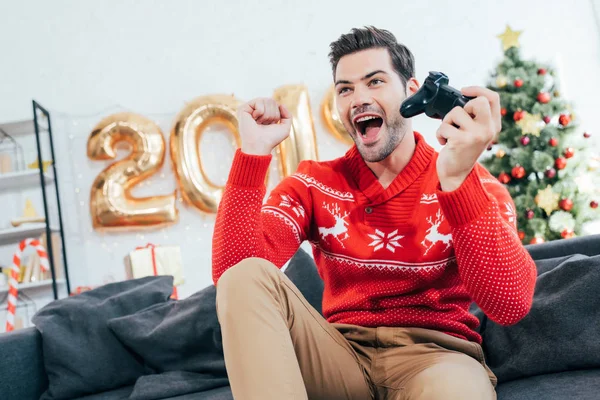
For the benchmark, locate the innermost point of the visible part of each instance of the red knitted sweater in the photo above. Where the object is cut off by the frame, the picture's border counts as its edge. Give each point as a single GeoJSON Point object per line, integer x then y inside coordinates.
{"type": "Point", "coordinates": [408, 255]}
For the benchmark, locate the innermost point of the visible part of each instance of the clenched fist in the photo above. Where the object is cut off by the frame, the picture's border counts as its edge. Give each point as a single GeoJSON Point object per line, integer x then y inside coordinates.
{"type": "Point", "coordinates": [263, 124]}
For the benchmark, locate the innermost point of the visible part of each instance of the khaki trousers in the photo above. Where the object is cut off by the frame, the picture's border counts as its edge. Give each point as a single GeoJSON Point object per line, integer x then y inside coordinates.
{"type": "Point", "coordinates": [277, 346]}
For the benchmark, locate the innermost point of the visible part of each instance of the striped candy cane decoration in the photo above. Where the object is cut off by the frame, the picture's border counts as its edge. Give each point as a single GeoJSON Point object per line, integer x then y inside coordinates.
{"type": "Point", "coordinates": [13, 282]}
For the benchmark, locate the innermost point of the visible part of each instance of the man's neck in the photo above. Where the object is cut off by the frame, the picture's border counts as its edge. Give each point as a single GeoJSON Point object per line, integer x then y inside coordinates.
{"type": "Point", "coordinates": [387, 169]}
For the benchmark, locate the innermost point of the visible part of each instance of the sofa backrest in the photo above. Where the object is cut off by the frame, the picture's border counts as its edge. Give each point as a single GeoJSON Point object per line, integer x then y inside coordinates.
{"type": "Point", "coordinates": [22, 373]}
{"type": "Point", "coordinates": [586, 245]}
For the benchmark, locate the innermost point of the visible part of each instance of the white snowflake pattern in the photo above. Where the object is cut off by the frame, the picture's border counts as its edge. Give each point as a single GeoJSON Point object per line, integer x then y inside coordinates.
{"type": "Point", "coordinates": [389, 241]}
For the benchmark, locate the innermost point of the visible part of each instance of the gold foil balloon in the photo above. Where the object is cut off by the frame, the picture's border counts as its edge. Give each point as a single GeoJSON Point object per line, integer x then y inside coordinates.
{"type": "Point", "coordinates": [187, 131]}
{"type": "Point", "coordinates": [111, 203]}
{"type": "Point", "coordinates": [332, 118]}
{"type": "Point", "coordinates": [302, 142]}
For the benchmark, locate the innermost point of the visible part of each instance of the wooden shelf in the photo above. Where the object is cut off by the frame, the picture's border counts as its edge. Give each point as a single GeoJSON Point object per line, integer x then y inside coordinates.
{"type": "Point", "coordinates": [34, 285]}
{"type": "Point", "coordinates": [15, 235]}
{"type": "Point", "coordinates": [26, 127]}
{"type": "Point", "coordinates": [21, 179]}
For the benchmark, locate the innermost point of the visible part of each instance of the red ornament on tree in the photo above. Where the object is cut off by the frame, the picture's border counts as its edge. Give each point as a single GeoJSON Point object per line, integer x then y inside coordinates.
{"type": "Point", "coordinates": [518, 172]}
{"type": "Point", "coordinates": [537, 240]}
{"type": "Point", "coordinates": [521, 235]}
{"type": "Point", "coordinates": [566, 204]}
{"type": "Point", "coordinates": [547, 119]}
{"type": "Point", "coordinates": [543, 97]}
{"type": "Point", "coordinates": [594, 204]}
{"type": "Point", "coordinates": [553, 142]}
{"type": "Point", "coordinates": [503, 111]}
{"type": "Point", "coordinates": [525, 140]}
{"type": "Point", "coordinates": [542, 71]}
{"type": "Point", "coordinates": [567, 234]}
{"type": "Point", "coordinates": [529, 214]}
{"type": "Point", "coordinates": [564, 119]}
{"type": "Point", "coordinates": [518, 115]}
{"type": "Point", "coordinates": [550, 173]}
{"type": "Point", "coordinates": [586, 135]}
{"type": "Point", "coordinates": [560, 163]}
{"type": "Point", "coordinates": [569, 152]}
{"type": "Point", "coordinates": [518, 82]}
{"type": "Point", "coordinates": [504, 177]}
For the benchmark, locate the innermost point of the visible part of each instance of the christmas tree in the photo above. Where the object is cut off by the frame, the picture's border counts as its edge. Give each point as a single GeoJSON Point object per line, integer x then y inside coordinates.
{"type": "Point", "coordinates": [541, 156]}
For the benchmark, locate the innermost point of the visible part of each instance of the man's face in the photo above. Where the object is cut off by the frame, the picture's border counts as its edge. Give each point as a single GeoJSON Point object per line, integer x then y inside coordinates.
{"type": "Point", "coordinates": [369, 94]}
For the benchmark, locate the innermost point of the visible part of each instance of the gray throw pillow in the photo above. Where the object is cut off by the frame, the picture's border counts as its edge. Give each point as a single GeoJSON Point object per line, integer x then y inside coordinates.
{"type": "Point", "coordinates": [81, 354]}
{"type": "Point", "coordinates": [182, 335]}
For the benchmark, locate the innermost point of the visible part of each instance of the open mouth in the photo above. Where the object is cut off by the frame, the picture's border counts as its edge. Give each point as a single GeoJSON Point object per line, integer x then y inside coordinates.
{"type": "Point", "coordinates": [368, 126]}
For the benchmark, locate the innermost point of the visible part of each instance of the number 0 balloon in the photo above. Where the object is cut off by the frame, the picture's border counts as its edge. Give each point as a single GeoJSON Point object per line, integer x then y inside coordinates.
{"type": "Point", "coordinates": [187, 131]}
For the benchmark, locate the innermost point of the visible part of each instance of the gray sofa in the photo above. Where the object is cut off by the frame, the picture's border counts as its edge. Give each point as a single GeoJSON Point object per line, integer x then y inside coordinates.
{"type": "Point", "coordinates": [23, 375]}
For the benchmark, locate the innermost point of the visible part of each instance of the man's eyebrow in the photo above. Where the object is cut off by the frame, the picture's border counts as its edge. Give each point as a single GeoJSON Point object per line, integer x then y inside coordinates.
{"type": "Point", "coordinates": [370, 74]}
{"type": "Point", "coordinates": [367, 76]}
{"type": "Point", "coordinates": [342, 82]}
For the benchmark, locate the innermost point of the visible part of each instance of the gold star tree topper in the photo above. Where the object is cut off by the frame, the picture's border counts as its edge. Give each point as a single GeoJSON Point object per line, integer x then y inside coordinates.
{"type": "Point", "coordinates": [547, 199]}
{"type": "Point", "coordinates": [509, 38]}
{"type": "Point", "coordinates": [530, 124]}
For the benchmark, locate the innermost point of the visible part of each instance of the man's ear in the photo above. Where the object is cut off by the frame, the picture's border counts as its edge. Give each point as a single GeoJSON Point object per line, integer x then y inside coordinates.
{"type": "Point", "coordinates": [412, 86]}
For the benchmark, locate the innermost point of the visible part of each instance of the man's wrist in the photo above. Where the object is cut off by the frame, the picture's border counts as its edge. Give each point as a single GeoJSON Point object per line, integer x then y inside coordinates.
{"type": "Point", "coordinates": [255, 150]}
{"type": "Point", "coordinates": [450, 184]}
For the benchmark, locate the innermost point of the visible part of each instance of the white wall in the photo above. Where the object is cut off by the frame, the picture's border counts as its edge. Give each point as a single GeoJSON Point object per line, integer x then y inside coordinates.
{"type": "Point", "coordinates": [84, 60]}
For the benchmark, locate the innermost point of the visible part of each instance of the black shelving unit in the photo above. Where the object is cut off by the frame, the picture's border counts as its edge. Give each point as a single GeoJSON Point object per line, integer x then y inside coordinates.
{"type": "Point", "coordinates": [39, 111]}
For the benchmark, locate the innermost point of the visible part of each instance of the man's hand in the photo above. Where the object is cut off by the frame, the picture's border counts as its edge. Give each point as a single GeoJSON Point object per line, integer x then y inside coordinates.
{"type": "Point", "coordinates": [263, 124]}
{"type": "Point", "coordinates": [478, 123]}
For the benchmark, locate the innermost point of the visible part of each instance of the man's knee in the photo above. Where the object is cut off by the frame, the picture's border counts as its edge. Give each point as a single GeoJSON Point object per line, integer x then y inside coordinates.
{"type": "Point", "coordinates": [245, 276]}
{"type": "Point", "coordinates": [243, 285]}
{"type": "Point", "coordinates": [457, 377]}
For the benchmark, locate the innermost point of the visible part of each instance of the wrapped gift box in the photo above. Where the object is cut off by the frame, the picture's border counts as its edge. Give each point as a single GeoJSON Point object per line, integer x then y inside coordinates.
{"type": "Point", "coordinates": [155, 260]}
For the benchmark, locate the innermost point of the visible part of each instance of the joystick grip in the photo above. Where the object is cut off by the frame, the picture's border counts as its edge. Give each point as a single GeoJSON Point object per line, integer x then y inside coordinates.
{"type": "Point", "coordinates": [461, 101]}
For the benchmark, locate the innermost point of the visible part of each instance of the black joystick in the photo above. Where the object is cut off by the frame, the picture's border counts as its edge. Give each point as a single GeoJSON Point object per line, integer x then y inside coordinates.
{"type": "Point", "coordinates": [435, 98]}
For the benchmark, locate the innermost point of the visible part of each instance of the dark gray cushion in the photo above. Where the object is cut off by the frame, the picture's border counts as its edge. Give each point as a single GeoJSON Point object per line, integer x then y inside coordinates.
{"type": "Point", "coordinates": [222, 393]}
{"type": "Point", "coordinates": [576, 385]}
{"type": "Point", "coordinates": [81, 355]}
{"type": "Point", "coordinates": [179, 339]}
{"type": "Point", "coordinates": [115, 394]}
{"type": "Point", "coordinates": [560, 333]}
{"type": "Point", "coordinates": [175, 383]}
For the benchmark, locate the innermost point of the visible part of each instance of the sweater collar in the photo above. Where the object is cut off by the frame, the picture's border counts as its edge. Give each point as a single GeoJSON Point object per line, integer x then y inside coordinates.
{"type": "Point", "coordinates": [369, 184]}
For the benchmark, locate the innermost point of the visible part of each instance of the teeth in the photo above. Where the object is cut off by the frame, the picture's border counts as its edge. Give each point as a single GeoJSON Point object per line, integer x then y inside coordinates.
{"type": "Point", "coordinates": [368, 117]}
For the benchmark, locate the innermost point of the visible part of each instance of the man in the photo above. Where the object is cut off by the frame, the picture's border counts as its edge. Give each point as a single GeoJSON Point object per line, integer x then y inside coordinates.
{"type": "Point", "coordinates": [404, 238]}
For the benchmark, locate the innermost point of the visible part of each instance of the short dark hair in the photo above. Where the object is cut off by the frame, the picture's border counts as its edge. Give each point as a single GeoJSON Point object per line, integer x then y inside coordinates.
{"type": "Point", "coordinates": [370, 37]}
